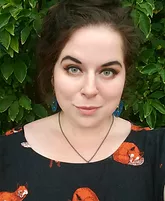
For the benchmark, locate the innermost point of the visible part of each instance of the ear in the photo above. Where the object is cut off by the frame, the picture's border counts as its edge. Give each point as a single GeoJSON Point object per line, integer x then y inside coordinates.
{"type": "Point", "coordinates": [18, 185]}
{"type": "Point", "coordinates": [26, 185]}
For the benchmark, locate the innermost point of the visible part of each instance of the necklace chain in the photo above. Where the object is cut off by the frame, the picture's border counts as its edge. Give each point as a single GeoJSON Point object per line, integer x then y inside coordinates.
{"type": "Point", "coordinates": [87, 161]}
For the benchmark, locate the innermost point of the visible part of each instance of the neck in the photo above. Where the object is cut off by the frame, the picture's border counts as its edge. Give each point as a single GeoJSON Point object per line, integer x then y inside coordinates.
{"type": "Point", "coordinates": [73, 129]}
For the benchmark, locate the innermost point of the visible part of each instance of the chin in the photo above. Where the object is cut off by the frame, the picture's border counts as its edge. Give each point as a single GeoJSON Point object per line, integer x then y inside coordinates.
{"type": "Point", "coordinates": [88, 122]}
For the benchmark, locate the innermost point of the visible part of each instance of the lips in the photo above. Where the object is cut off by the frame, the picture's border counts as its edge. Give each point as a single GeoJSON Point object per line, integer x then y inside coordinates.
{"type": "Point", "coordinates": [87, 107]}
{"type": "Point", "coordinates": [87, 110]}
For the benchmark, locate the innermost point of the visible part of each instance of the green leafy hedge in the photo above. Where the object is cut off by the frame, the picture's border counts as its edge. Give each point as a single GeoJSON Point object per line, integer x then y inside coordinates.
{"type": "Point", "coordinates": [145, 94]}
{"type": "Point", "coordinates": [20, 22]}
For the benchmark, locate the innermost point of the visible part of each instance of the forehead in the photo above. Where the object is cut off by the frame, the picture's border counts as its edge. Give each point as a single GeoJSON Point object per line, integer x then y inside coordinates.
{"type": "Point", "coordinates": [95, 43]}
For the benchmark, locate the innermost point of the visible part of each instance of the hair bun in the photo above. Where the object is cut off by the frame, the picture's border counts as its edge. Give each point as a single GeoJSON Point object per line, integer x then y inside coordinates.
{"type": "Point", "coordinates": [93, 3]}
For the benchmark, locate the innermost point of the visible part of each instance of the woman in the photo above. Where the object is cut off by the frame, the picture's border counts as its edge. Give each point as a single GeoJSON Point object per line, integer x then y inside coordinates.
{"type": "Point", "coordinates": [84, 153]}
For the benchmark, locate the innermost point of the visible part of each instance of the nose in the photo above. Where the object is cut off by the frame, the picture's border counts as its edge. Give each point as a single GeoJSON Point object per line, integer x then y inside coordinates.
{"type": "Point", "coordinates": [89, 88]}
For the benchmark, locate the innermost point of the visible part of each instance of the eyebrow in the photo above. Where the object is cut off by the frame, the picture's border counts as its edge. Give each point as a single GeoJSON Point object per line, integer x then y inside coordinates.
{"type": "Point", "coordinates": [72, 59]}
{"type": "Point", "coordinates": [79, 62]}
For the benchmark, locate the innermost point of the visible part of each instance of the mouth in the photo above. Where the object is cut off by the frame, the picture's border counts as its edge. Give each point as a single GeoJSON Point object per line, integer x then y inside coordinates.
{"type": "Point", "coordinates": [87, 110]}
{"type": "Point", "coordinates": [87, 107]}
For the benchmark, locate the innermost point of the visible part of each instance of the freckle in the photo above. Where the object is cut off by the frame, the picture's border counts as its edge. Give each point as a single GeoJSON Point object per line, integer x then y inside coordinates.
{"type": "Point", "coordinates": [161, 165]}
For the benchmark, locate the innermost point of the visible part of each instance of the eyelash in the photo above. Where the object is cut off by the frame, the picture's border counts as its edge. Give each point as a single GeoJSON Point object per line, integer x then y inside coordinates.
{"type": "Point", "coordinates": [106, 69]}
{"type": "Point", "coordinates": [110, 70]}
{"type": "Point", "coordinates": [70, 67]}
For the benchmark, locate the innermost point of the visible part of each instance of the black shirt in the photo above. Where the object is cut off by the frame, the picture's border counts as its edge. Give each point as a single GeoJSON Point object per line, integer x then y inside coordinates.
{"type": "Point", "coordinates": [135, 172]}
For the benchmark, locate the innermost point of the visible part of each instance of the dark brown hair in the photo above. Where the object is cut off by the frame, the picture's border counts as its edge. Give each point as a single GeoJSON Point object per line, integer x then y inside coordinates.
{"type": "Point", "coordinates": [63, 19]}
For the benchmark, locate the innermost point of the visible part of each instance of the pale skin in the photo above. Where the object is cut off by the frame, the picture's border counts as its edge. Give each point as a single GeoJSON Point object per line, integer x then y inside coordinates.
{"type": "Point", "coordinates": [90, 71]}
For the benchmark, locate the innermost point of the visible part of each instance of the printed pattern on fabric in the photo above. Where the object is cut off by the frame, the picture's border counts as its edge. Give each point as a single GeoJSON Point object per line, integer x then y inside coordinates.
{"type": "Point", "coordinates": [26, 144]}
{"type": "Point", "coordinates": [128, 153]}
{"type": "Point", "coordinates": [139, 128]}
{"type": "Point", "coordinates": [14, 130]}
{"type": "Point", "coordinates": [84, 194]}
{"type": "Point", "coordinates": [18, 195]}
{"type": "Point", "coordinates": [58, 163]}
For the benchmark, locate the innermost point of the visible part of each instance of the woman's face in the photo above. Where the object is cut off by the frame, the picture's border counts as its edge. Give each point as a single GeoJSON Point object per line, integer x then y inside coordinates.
{"type": "Point", "coordinates": [89, 75]}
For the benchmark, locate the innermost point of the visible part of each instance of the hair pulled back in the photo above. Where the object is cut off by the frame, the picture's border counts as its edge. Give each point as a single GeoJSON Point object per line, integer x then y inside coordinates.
{"type": "Point", "coordinates": [63, 19]}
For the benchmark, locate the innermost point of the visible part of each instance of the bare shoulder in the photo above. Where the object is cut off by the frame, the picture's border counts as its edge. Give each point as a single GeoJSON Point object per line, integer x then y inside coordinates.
{"type": "Point", "coordinates": [43, 123]}
{"type": "Point", "coordinates": [40, 129]}
{"type": "Point", "coordinates": [122, 126]}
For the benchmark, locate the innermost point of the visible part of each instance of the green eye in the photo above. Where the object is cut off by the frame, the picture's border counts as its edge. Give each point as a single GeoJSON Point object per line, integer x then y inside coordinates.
{"type": "Point", "coordinates": [73, 70]}
{"type": "Point", "coordinates": [107, 73]}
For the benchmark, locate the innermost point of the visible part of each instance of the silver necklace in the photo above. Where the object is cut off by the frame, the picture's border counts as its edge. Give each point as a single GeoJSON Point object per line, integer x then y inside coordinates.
{"type": "Point", "coordinates": [87, 161]}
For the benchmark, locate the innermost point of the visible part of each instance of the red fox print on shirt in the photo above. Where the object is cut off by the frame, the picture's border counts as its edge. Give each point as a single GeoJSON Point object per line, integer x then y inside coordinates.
{"type": "Point", "coordinates": [138, 128]}
{"type": "Point", "coordinates": [14, 130]}
{"type": "Point", "coordinates": [84, 194]}
{"type": "Point", "coordinates": [18, 195]}
{"type": "Point", "coordinates": [129, 153]}
{"type": "Point", "coordinates": [57, 163]}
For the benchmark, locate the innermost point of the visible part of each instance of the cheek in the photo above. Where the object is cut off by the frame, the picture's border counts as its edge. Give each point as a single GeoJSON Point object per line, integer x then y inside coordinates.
{"type": "Point", "coordinates": [113, 89]}
{"type": "Point", "coordinates": [64, 87]}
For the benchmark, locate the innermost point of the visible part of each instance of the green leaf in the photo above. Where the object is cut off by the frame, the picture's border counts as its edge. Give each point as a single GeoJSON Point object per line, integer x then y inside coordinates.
{"type": "Point", "coordinates": [162, 74]}
{"type": "Point", "coordinates": [146, 55]}
{"type": "Point", "coordinates": [136, 16]}
{"type": "Point", "coordinates": [37, 23]}
{"type": "Point", "coordinates": [151, 119]}
{"type": "Point", "coordinates": [25, 13]}
{"type": "Point", "coordinates": [158, 6]}
{"type": "Point", "coordinates": [30, 117]}
{"type": "Point", "coordinates": [149, 69]}
{"type": "Point", "coordinates": [158, 43]}
{"type": "Point", "coordinates": [10, 28]}
{"type": "Point", "coordinates": [40, 111]}
{"type": "Point", "coordinates": [5, 103]}
{"type": "Point", "coordinates": [15, 44]}
{"type": "Point", "coordinates": [6, 6]}
{"type": "Point", "coordinates": [5, 39]}
{"type": "Point", "coordinates": [13, 110]}
{"type": "Point", "coordinates": [10, 52]}
{"type": "Point", "coordinates": [147, 107]}
{"type": "Point", "coordinates": [20, 70]}
{"type": "Point", "coordinates": [140, 9]}
{"type": "Point", "coordinates": [157, 27]}
{"type": "Point", "coordinates": [16, 1]}
{"type": "Point", "coordinates": [141, 112]}
{"type": "Point", "coordinates": [2, 2]}
{"type": "Point", "coordinates": [126, 4]}
{"type": "Point", "coordinates": [145, 24]}
{"type": "Point", "coordinates": [148, 7]}
{"type": "Point", "coordinates": [135, 108]}
{"type": "Point", "coordinates": [157, 95]}
{"type": "Point", "coordinates": [155, 86]}
{"type": "Point", "coordinates": [20, 115]}
{"type": "Point", "coordinates": [32, 3]}
{"type": "Point", "coordinates": [25, 34]}
{"type": "Point", "coordinates": [25, 102]}
{"type": "Point", "coordinates": [7, 70]}
{"type": "Point", "coordinates": [158, 106]}
{"type": "Point", "coordinates": [4, 19]}
{"type": "Point", "coordinates": [2, 53]}
{"type": "Point", "coordinates": [151, 2]}
{"type": "Point", "coordinates": [15, 12]}
{"type": "Point", "coordinates": [139, 1]}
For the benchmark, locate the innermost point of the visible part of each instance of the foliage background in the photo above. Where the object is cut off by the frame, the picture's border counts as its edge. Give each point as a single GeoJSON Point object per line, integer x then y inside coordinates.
{"type": "Point", "coordinates": [20, 23]}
